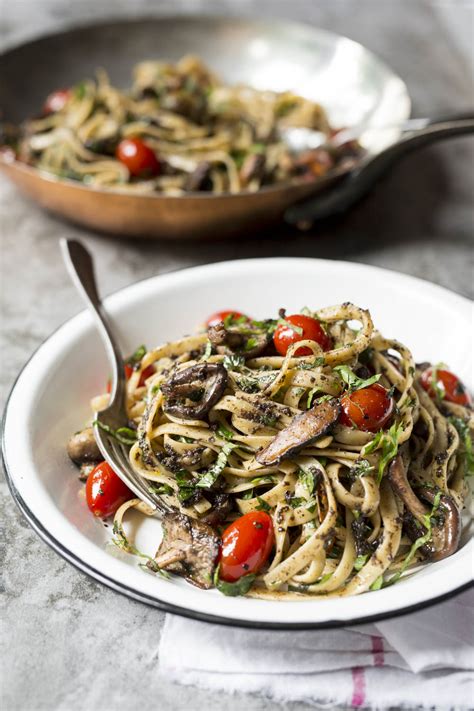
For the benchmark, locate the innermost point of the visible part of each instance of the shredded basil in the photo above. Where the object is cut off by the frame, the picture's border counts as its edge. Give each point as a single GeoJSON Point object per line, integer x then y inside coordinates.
{"type": "Point", "coordinates": [210, 477]}
{"type": "Point", "coordinates": [122, 542]}
{"type": "Point", "coordinates": [352, 381]}
{"type": "Point", "coordinates": [224, 433]}
{"type": "Point", "coordinates": [240, 587]}
{"type": "Point", "coordinates": [316, 363]}
{"type": "Point", "coordinates": [233, 361]}
{"type": "Point", "coordinates": [466, 437]}
{"type": "Point", "coordinates": [262, 504]}
{"type": "Point", "coordinates": [388, 441]}
{"type": "Point", "coordinates": [207, 351]}
{"type": "Point", "coordinates": [306, 478]}
{"type": "Point", "coordinates": [437, 384]}
{"type": "Point", "coordinates": [124, 435]}
{"type": "Point", "coordinates": [137, 356]}
{"type": "Point", "coordinates": [361, 468]}
{"type": "Point", "coordinates": [360, 561]}
{"type": "Point", "coordinates": [377, 584]}
{"type": "Point", "coordinates": [426, 538]}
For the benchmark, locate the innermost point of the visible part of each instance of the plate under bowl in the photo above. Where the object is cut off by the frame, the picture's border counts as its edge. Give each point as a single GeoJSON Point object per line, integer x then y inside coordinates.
{"type": "Point", "coordinates": [50, 400]}
{"type": "Point", "coordinates": [347, 79]}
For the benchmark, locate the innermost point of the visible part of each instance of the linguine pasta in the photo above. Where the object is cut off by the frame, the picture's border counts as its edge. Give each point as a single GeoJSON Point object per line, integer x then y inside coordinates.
{"type": "Point", "coordinates": [204, 135]}
{"type": "Point", "coordinates": [352, 510]}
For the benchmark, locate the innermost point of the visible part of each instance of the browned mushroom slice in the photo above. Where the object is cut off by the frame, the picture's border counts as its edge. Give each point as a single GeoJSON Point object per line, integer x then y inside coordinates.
{"type": "Point", "coordinates": [192, 392]}
{"type": "Point", "coordinates": [253, 167]}
{"type": "Point", "coordinates": [189, 548]}
{"type": "Point", "coordinates": [301, 431]}
{"type": "Point", "coordinates": [397, 476]}
{"type": "Point", "coordinates": [445, 539]}
{"type": "Point", "coordinates": [231, 340]}
{"type": "Point", "coordinates": [446, 536]}
{"type": "Point", "coordinates": [82, 447]}
{"type": "Point", "coordinates": [199, 179]}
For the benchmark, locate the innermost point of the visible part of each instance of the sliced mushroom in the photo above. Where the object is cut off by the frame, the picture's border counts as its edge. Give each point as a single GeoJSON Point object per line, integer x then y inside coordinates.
{"type": "Point", "coordinates": [397, 476]}
{"type": "Point", "coordinates": [301, 431]}
{"type": "Point", "coordinates": [82, 447]}
{"type": "Point", "coordinates": [249, 343]}
{"type": "Point", "coordinates": [192, 392]}
{"type": "Point", "coordinates": [253, 167]}
{"type": "Point", "coordinates": [189, 548]}
{"type": "Point", "coordinates": [199, 179]}
{"type": "Point", "coordinates": [221, 507]}
{"type": "Point", "coordinates": [446, 536]}
{"type": "Point", "coordinates": [445, 539]}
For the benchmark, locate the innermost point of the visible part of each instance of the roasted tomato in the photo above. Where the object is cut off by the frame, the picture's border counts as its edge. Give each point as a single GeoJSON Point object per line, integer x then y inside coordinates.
{"type": "Point", "coordinates": [226, 316]}
{"type": "Point", "coordinates": [139, 158]}
{"type": "Point", "coordinates": [246, 545]}
{"type": "Point", "coordinates": [446, 385]}
{"type": "Point", "coordinates": [105, 491]}
{"type": "Point", "coordinates": [146, 373]}
{"type": "Point", "coordinates": [369, 409]}
{"type": "Point", "coordinates": [306, 328]}
{"type": "Point", "coordinates": [56, 101]}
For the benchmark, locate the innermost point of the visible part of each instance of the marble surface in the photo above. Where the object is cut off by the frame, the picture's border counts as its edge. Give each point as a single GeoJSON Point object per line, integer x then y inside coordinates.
{"type": "Point", "coordinates": [71, 643]}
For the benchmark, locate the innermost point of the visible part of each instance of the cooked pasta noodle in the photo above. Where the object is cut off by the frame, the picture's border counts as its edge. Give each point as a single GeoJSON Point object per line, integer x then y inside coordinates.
{"type": "Point", "coordinates": [203, 135]}
{"type": "Point", "coordinates": [352, 506]}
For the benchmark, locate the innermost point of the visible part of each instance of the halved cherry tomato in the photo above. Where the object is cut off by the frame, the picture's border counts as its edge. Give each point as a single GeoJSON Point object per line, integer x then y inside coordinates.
{"type": "Point", "coordinates": [369, 409]}
{"type": "Point", "coordinates": [221, 315]}
{"type": "Point", "coordinates": [449, 384]}
{"type": "Point", "coordinates": [105, 491]}
{"type": "Point", "coordinates": [146, 373]}
{"type": "Point", "coordinates": [285, 336]}
{"type": "Point", "coordinates": [139, 158]}
{"type": "Point", "coordinates": [246, 545]}
{"type": "Point", "coordinates": [56, 101]}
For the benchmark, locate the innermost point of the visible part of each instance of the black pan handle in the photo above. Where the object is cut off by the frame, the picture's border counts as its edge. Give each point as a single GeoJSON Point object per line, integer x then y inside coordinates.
{"type": "Point", "coordinates": [358, 183]}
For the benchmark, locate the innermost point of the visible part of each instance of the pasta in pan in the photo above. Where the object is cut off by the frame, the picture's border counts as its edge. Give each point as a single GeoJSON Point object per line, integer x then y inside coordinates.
{"type": "Point", "coordinates": [301, 456]}
{"type": "Point", "coordinates": [177, 130]}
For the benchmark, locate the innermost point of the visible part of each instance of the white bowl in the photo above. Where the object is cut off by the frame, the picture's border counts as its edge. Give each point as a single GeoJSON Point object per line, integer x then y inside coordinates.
{"type": "Point", "coordinates": [50, 400]}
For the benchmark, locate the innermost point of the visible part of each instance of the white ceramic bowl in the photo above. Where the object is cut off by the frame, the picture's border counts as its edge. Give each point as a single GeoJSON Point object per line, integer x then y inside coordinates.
{"type": "Point", "coordinates": [50, 400]}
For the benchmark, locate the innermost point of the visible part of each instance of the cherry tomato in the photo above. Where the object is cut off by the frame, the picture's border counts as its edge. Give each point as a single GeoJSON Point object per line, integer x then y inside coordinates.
{"type": "Point", "coordinates": [139, 158]}
{"type": "Point", "coordinates": [449, 384]}
{"type": "Point", "coordinates": [221, 315]}
{"type": "Point", "coordinates": [105, 491]}
{"type": "Point", "coordinates": [285, 336]}
{"type": "Point", "coordinates": [246, 545]}
{"type": "Point", "coordinates": [369, 409]}
{"type": "Point", "coordinates": [56, 101]}
{"type": "Point", "coordinates": [146, 373]}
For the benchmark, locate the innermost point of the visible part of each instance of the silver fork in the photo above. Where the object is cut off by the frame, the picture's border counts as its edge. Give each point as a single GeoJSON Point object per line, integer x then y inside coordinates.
{"type": "Point", "coordinates": [80, 266]}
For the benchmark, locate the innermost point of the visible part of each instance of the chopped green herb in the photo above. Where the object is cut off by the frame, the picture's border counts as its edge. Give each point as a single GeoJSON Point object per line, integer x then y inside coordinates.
{"type": "Point", "coordinates": [210, 477]}
{"type": "Point", "coordinates": [122, 542]}
{"type": "Point", "coordinates": [296, 329]}
{"type": "Point", "coordinates": [233, 361]}
{"type": "Point", "coordinates": [124, 435]}
{"type": "Point", "coordinates": [466, 438]}
{"type": "Point", "coordinates": [162, 489]}
{"type": "Point", "coordinates": [247, 495]}
{"type": "Point", "coordinates": [306, 478]}
{"type": "Point", "coordinates": [361, 468]}
{"type": "Point", "coordinates": [240, 587]}
{"type": "Point", "coordinates": [224, 433]}
{"type": "Point", "coordinates": [316, 363]}
{"type": "Point", "coordinates": [352, 381]}
{"type": "Point", "coordinates": [257, 148]}
{"type": "Point", "coordinates": [388, 441]}
{"type": "Point", "coordinates": [137, 356]}
{"type": "Point", "coordinates": [436, 383]}
{"type": "Point", "coordinates": [207, 351]}
{"type": "Point", "coordinates": [80, 90]}
{"type": "Point", "coordinates": [262, 505]}
{"type": "Point", "coordinates": [377, 584]}
{"type": "Point", "coordinates": [360, 561]}
{"type": "Point", "coordinates": [426, 538]}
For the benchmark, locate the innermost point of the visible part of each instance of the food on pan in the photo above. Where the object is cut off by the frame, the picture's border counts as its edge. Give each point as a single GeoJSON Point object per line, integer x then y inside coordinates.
{"type": "Point", "coordinates": [177, 130]}
{"type": "Point", "coordinates": [301, 455]}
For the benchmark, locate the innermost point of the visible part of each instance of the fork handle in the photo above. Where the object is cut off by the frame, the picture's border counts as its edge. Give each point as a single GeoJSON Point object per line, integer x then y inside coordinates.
{"type": "Point", "coordinates": [81, 270]}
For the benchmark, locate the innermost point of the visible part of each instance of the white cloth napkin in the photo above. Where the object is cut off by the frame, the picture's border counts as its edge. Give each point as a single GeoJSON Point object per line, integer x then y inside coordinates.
{"type": "Point", "coordinates": [425, 659]}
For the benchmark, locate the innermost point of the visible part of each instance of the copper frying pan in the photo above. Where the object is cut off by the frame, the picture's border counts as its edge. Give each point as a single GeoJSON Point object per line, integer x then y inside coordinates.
{"type": "Point", "coordinates": [347, 79]}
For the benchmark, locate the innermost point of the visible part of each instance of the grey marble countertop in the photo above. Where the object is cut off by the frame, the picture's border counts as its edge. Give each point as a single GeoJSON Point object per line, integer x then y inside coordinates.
{"type": "Point", "coordinates": [71, 643]}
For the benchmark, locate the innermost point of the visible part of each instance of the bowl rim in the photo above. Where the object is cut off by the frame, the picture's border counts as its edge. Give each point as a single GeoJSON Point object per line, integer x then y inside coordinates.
{"type": "Point", "coordinates": [197, 17]}
{"type": "Point", "coordinates": [142, 596]}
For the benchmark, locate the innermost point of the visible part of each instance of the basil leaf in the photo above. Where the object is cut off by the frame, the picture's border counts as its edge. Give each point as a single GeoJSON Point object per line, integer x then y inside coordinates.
{"type": "Point", "coordinates": [377, 584]}
{"type": "Point", "coordinates": [361, 468]}
{"type": "Point", "coordinates": [207, 351]}
{"type": "Point", "coordinates": [240, 587]}
{"type": "Point", "coordinates": [124, 435]}
{"type": "Point", "coordinates": [306, 478]}
{"type": "Point", "coordinates": [207, 480]}
{"type": "Point", "coordinates": [233, 361]}
{"type": "Point", "coordinates": [360, 561]}
{"type": "Point", "coordinates": [137, 356]}
{"type": "Point", "coordinates": [262, 505]}
{"type": "Point", "coordinates": [352, 381]}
